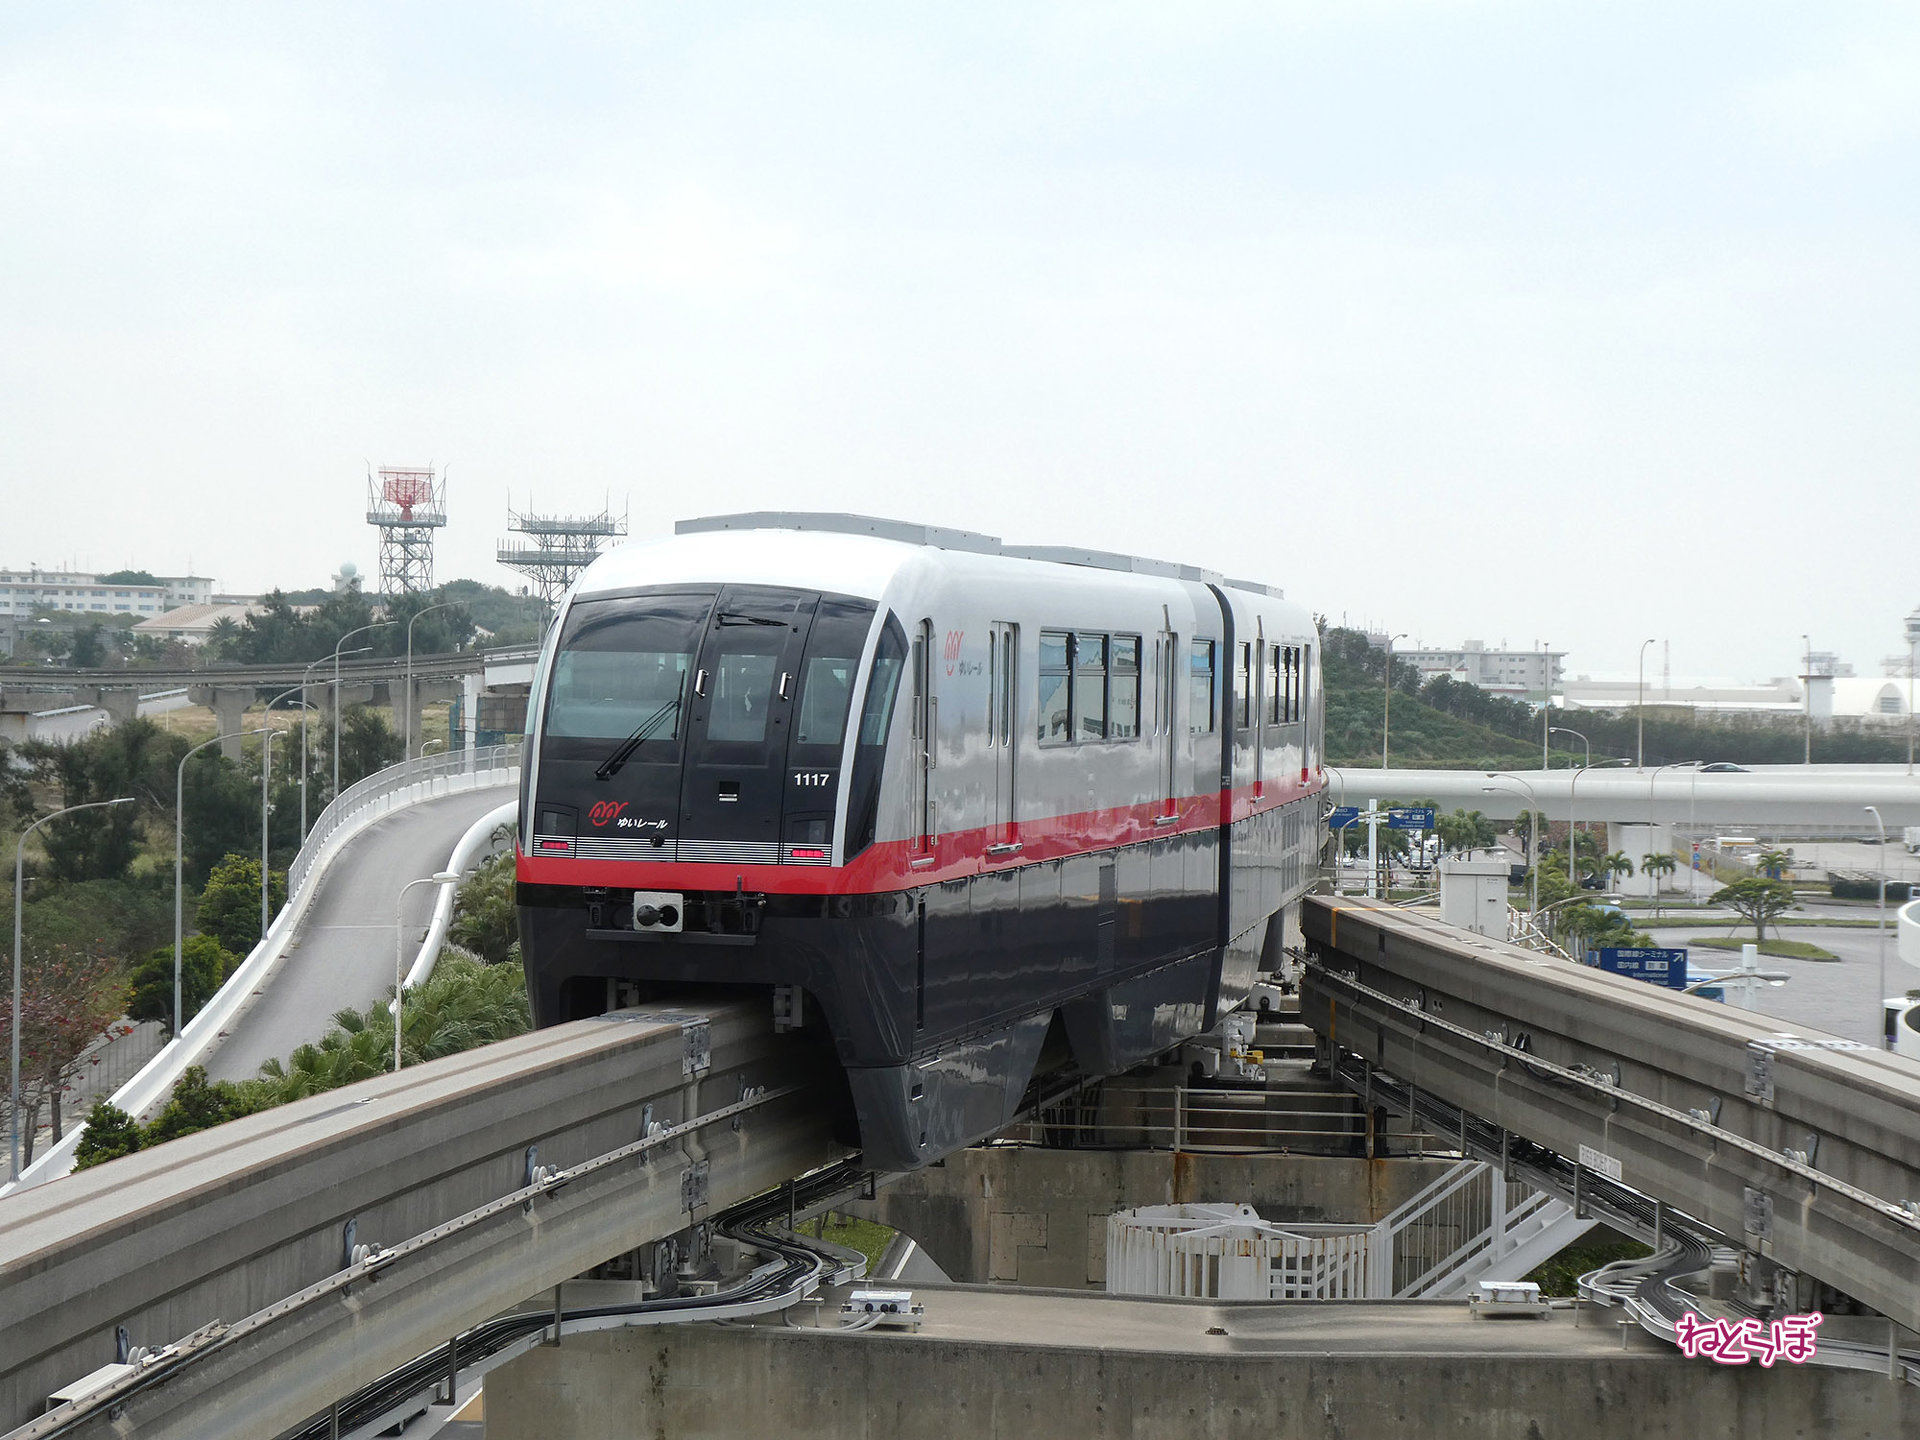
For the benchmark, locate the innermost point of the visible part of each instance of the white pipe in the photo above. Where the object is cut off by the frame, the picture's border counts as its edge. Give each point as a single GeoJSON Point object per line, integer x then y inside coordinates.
{"type": "Point", "coordinates": [476, 845]}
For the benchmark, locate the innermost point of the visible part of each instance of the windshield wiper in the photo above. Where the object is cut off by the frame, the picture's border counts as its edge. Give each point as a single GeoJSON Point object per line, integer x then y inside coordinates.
{"type": "Point", "coordinates": [730, 617]}
{"type": "Point", "coordinates": [642, 732]}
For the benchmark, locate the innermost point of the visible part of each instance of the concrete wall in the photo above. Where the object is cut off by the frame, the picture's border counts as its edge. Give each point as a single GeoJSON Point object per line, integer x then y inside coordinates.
{"type": "Point", "coordinates": [701, 1382]}
{"type": "Point", "coordinates": [1013, 1215]}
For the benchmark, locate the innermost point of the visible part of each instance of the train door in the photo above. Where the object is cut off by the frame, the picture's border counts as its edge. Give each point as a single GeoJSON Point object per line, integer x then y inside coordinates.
{"type": "Point", "coordinates": [1166, 675]}
{"type": "Point", "coordinates": [926, 716]}
{"type": "Point", "coordinates": [1003, 669]}
{"type": "Point", "coordinates": [744, 684]}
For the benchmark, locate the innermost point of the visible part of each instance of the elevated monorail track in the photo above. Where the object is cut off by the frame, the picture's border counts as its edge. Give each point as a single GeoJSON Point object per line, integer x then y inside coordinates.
{"type": "Point", "coordinates": [1803, 1148]}
{"type": "Point", "coordinates": [274, 1264]}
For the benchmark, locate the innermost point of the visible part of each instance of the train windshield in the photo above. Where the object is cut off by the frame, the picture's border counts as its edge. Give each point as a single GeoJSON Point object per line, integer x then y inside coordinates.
{"type": "Point", "coordinates": [623, 663]}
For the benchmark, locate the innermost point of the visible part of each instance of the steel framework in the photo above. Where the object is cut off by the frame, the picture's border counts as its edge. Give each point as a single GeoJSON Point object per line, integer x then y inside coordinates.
{"type": "Point", "coordinates": [407, 506]}
{"type": "Point", "coordinates": [557, 548]}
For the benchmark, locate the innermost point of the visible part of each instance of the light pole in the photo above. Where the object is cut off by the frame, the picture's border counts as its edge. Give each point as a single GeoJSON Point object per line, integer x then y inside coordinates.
{"type": "Point", "coordinates": [429, 745]}
{"type": "Point", "coordinates": [1563, 730]}
{"type": "Point", "coordinates": [1640, 711]}
{"type": "Point", "coordinates": [1651, 779]}
{"type": "Point", "coordinates": [266, 771]}
{"type": "Point", "coordinates": [424, 610]}
{"type": "Point", "coordinates": [1573, 786]}
{"type": "Point", "coordinates": [1806, 691]}
{"type": "Point", "coordinates": [1880, 1006]}
{"type": "Point", "coordinates": [443, 877]}
{"type": "Point", "coordinates": [304, 751]}
{"type": "Point", "coordinates": [376, 625]}
{"type": "Point", "coordinates": [1913, 659]}
{"type": "Point", "coordinates": [19, 891]}
{"type": "Point", "coordinates": [1539, 819]}
{"type": "Point", "coordinates": [1386, 714]}
{"type": "Point", "coordinates": [179, 813]}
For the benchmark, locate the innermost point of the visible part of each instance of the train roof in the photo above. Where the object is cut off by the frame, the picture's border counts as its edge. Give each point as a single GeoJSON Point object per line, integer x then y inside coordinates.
{"type": "Point", "coordinates": [862, 553]}
{"type": "Point", "coordinates": [938, 537]}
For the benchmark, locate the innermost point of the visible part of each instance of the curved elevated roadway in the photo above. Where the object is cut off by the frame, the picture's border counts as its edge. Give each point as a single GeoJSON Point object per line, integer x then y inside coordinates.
{"type": "Point", "coordinates": [341, 955]}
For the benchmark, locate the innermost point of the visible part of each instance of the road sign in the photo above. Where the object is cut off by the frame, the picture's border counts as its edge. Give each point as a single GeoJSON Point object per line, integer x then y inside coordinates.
{"type": "Point", "coordinates": [1656, 967]}
{"type": "Point", "coordinates": [1342, 816]}
{"type": "Point", "coordinates": [1410, 819]}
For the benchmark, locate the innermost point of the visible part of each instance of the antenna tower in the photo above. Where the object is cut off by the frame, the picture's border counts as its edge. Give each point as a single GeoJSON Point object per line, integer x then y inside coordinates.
{"type": "Point", "coordinates": [406, 506]}
{"type": "Point", "coordinates": [557, 548]}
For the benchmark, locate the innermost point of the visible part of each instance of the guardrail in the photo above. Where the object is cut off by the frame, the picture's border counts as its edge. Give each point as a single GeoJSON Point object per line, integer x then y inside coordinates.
{"type": "Point", "coordinates": [355, 808]}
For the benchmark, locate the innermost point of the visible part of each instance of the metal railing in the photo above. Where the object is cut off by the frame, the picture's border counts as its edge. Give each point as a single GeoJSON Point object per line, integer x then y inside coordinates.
{"type": "Point", "coordinates": [1122, 1116]}
{"type": "Point", "coordinates": [443, 774]}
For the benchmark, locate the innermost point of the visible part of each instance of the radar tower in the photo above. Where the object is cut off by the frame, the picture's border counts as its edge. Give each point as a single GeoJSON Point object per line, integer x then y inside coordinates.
{"type": "Point", "coordinates": [557, 547]}
{"type": "Point", "coordinates": [406, 505]}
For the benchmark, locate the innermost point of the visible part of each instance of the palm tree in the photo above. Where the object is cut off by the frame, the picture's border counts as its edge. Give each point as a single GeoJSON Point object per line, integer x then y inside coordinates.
{"type": "Point", "coordinates": [1772, 863]}
{"type": "Point", "coordinates": [1657, 865]}
{"type": "Point", "coordinates": [1617, 864]}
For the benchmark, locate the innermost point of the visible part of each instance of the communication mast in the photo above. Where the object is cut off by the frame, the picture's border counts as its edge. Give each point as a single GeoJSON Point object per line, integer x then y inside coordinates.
{"type": "Point", "coordinates": [557, 547]}
{"type": "Point", "coordinates": [407, 506]}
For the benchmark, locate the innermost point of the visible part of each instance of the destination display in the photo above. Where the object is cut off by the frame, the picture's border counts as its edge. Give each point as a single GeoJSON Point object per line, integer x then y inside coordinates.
{"type": "Point", "coordinates": [1656, 967]}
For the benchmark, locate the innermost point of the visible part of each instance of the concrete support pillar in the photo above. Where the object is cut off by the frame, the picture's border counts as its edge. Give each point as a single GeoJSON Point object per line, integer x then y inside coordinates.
{"type": "Point", "coordinates": [1634, 841]}
{"type": "Point", "coordinates": [121, 703]}
{"type": "Point", "coordinates": [230, 716]}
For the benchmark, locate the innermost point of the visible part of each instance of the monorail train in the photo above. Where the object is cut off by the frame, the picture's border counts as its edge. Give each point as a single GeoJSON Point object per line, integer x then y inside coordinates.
{"type": "Point", "coordinates": [983, 814]}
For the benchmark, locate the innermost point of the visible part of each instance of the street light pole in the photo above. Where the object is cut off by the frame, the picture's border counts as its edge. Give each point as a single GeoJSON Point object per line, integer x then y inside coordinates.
{"type": "Point", "coordinates": [1386, 714]}
{"type": "Point", "coordinates": [425, 610]}
{"type": "Point", "coordinates": [376, 625]}
{"type": "Point", "coordinates": [1539, 819]}
{"type": "Point", "coordinates": [179, 814]}
{"type": "Point", "coordinates": [304, 750]}
{"type": "Point", "coordinates": [1640, 711]}
{"type": "Point", "coordinates": [1651, 781]}
{"type": "Point", "coordinates": [1806, 691]}
{"type": "Point", "coordinates": [443, 877]}
{"type": "Point", "coordinates": [1880, 1006]}
{"type": "Point", "coordinates": [19, 891]}
{"type": "Point", "coordinates": [1573, 787]}
{"type": "Point", "coordinates": [1563, 730]}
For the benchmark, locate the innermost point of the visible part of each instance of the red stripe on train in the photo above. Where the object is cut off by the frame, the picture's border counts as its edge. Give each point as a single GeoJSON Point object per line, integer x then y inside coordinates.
{"type": "Point", "coordinates": [903, 864]}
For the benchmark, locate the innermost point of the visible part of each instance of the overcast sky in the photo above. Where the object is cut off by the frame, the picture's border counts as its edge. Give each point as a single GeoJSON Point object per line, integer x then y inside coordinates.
{"type": "Point", "coordinates": [1551, 322]}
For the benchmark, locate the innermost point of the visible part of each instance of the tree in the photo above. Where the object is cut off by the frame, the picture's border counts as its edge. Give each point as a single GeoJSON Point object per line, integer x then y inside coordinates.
{"type": "Point", "coordinates": [1616, 864]}
{"type": "Point", "coordinates": [198, 1103]}
{"type": "Point", "coordinates": [486, 919]}
{"type": "Point", "coordinates": [110, 1133]}
{"type": "Point", "coordinates": [367, 744]}
{"type": "Point", "coordinates": [1464, 830]}
{"type": "Point", "coordinates": [70, 996]}
{"type": "Point", "coordinates": [1772, 863]}
{"type": "Point", "coordinates": [204, 967]}
{"type": "Point", "coordinates": [1658, 864]}
{"type": "Point", "coordinates": [229, 908]}
{"type": "Point", "coordinates": [1757, 900]}
{"type": "Point", "coordinates": [87, 650]}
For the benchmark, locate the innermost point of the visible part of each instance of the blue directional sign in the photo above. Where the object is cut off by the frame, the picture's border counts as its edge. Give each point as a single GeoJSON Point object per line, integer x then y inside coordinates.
{"type": "Point", "coordinates": [1410, 819]}
{"type": "Point", "coordinates": [1342, 816]}
{"type": "Point", "coordinates": [1656, 967]}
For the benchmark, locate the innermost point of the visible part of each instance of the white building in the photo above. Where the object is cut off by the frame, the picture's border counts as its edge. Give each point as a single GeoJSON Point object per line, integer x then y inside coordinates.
{"type": "Point", "coordinates": [24, 591]}
{"type": "Point", "coordinates": [1519, 673]}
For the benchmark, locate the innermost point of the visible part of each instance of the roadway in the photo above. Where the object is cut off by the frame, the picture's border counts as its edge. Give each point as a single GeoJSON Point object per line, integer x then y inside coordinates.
{"type": "Point", "coordinates": [342, 955]}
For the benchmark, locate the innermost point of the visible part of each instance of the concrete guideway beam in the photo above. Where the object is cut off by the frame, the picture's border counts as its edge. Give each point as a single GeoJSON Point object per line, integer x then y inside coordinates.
{"type": "Point", "coordinates": [1804, 1148]}
{"type": "Point", "coordinates": [221, 1225]}
{"type": "Point", "coordinates": [1773, 797]}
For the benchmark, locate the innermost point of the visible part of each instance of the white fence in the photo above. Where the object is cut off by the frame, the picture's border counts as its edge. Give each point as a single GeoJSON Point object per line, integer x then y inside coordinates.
{"type": "Point", "coordinates": [353, 810]}
{"type": "Point", "coordinates": [1227, 1252]}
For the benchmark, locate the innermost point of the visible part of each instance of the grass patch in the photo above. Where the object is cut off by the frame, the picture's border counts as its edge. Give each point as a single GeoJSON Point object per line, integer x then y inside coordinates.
{"type": "Point", "coordinates": [869, 1237]}
{"type": "Point", "coordinates": [1678, 917]}
{"type": "Point", "coordinates": [1561, 1275]}
{"type": "Point", "coordinates": [1782, 949]}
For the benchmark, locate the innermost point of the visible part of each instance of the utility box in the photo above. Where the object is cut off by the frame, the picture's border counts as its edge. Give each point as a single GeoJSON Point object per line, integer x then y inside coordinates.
{"type": "Point", "coordinates": [1473, 895]}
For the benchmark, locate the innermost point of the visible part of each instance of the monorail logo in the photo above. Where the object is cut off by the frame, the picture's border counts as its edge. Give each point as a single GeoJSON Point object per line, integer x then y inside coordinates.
{"type": "Point", "coordinates": [954, 640]}
{"type": "Point", "coordinates": [605, 810]}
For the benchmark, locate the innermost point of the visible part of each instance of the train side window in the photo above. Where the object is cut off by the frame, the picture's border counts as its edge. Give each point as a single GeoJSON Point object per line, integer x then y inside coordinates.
{"type": "Point", "coordinates": [1243, 686]}
{"type": "Point", "coordinates": [1123, 689]}
{"type": "Point", "coordinates": [1201, 710]}
{"type": "Point", "coordinates": [1276, 711]}
{"type": "Point", "coordinates": [1089, 703]}
{"type": "Point", "coordinates": [1056, 646]}
{"type": "Point", "coordinates": [1306, 655]}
